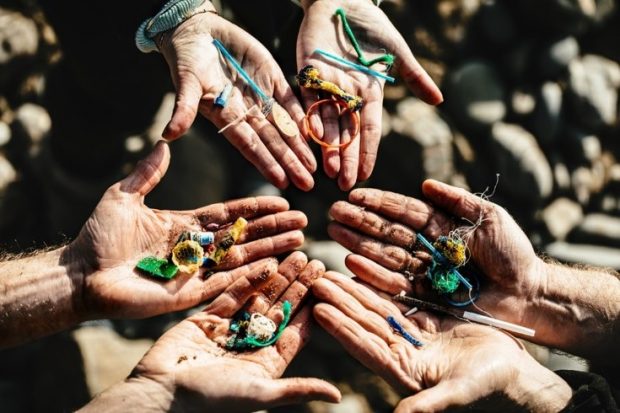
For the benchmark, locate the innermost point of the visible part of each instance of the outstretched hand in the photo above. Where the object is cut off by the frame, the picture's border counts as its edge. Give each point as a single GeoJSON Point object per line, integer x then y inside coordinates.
{"type": "Point", "coordinates": [459, 364]}
{"type": "Point", "coordinates": [200, 74]}
{"type": "Point", "coordinates": [321, 29]}
{"type": "Point", "coordinates": [122, 230]}
{"type": "Point", "coordinates": [190, 368]}
{"type": "Point", "coordinates": [380, 228]}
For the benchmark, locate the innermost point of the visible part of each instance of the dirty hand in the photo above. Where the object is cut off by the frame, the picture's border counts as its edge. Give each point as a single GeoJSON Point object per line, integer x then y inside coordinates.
{"type": "Point", "coordinates": [189, 367]}
{"type": "Point", "coordinates": [459, 364]}
{"type": "Point", "coordinates": [199, 74]}
{"type": "Point", "coordinates": [380, 227]}
{"type": "Point", "coordinates": [122, 230]}
{"type": "Point", "coordinates": [321, 29]}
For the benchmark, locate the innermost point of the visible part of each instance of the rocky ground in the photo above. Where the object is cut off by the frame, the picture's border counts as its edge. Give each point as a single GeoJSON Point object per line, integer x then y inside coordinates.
{"type": "Point", "coordinates": [531, 91]}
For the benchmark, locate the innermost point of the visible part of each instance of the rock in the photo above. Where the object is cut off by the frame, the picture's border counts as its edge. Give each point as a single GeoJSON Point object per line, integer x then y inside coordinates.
{"type": "Point", "coordinates": [19, 41]}
{"type": "Point", "coordinates": [455, 18]}
{"type": "Point", "coordinates": [519, 159]}
{"type": "Point", "coordinates": [330, 253]}
{"type": "Point", "coordinates": [585, 254]}
{"type": "Point", "coordinates": [5, 134]}
{"type": "Point", "coordinates": [561, 216]}
{"type": "Point", "coordinates": [476, 95]}
{"type": "Point", "coordinates": [561, 174]}
{"type": "Point", "coordinates": [516, 62]}
{"type": "Point", "coordinates": [546, 118]}
{"type": "Point", "coordinates": [556, 55]}
{"type": "Point", "coordinates": [598, 229]}
{"type": "Point", "coordinates": [7, 173]}
{"type": "Point", "coordinates": [522, 102]}
{"type": "Point", "coordinates": [581, 182]}
{"type": "Point", "coordinates": [108, 358]}
{"type": "Point", "coordinates": [34, 121]}
{"type": "Point", "coordinates": [593, 94]}
{"type": "Point", "coordinates": [496, 23]}
{"type": "Point", "coordinates": [581, 148]}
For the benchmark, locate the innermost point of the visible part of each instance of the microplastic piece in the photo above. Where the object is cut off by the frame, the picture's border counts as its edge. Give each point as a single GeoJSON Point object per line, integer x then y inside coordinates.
{"type": "Point", "coordinates": [157, 267]}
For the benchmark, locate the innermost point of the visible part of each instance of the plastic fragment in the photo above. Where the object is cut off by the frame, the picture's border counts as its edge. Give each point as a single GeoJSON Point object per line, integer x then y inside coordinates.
{"type": "Point", "coordinates": [157, 267]}
{"type": "Point", "coordinates": [226, 243]}
{"type": "Point", "coordinates": [187, 255]}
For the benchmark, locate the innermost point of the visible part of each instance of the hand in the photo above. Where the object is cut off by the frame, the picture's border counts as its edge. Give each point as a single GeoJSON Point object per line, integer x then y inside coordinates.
{"type": "Point", "coordinates": [380, 228]}
{"type": "Point", "coordinates": [122, 230]}
{"type": "Point", "coordinates": [320, 29]}
{"type": "Point", "coordinates": [189, 368]}
{"type": "Point", "coordinates": [459, 364]}
{"type": "Point", "coordinates": [199, 75]}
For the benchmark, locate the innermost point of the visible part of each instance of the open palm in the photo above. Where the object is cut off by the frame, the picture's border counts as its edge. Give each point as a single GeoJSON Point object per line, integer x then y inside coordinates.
{"type": "Point", "coordinates": [122, 230]}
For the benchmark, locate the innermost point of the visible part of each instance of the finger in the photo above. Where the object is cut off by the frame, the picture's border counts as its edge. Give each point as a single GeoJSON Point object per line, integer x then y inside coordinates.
{"type": "Point", "coordinates": [417, 215]}
{"type": "Point", "coordinates": [379, 277]}
{"type": "Point", "coordinates": [331, 136]}
{"type": "Point", "coordinates": [273, 224]}
{"type": "Point", "coordinates": [416, 78]}
{"type": "Point", "coordinates": [236, 295]}
{"type": "Point", "coordinates": [309, 97]}
{"type": "Point", "coordinates": [327, 291]}
{"type": "Point", "coordinates": [442, 397]}
{"type": "Point", "coordinates": [282, 153]}
{"type": "Point", "coordinates": [364, 346]}
{"type": "Point", "coordinates": [287, 273]}
{"type": "Point", "coordinates": [373, 225]}
{"type": "Point", "coordinates": [349, 155]}
{"type": "Point", "coordinates": [370, 136]}
{"type": "Point", "coordinates": [264, 247]}
{"type": "Point", "coordinates": [185, 107]}
{"type": "Point", "coordinates": [293, 339]}
{"type": "Point", "coordinates": [299, 289]}
{"type": "Point", "coordinates": [296, 390]}
{"type": "Point", "coordinates": [219, 281]}
{"type": "Point", "coordinates": [227, 212]}
{"type": "Point", "coordinates": [455, 201]}
{"type": "Point", "coordinates": [391, 257]}
{"type": "Point", "coordinates": [284, 94]}
{"type": "Point", "coordinates": [148, 172]}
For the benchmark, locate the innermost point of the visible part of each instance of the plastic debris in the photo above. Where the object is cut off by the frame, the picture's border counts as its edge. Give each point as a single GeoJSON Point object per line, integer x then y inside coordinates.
{"type": "Point", "coordinates": [157, 267]}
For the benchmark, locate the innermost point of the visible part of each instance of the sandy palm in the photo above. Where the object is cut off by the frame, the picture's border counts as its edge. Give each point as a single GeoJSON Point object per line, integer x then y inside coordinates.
{"type": "Point", "coordinates": [191, 358]}
{"type": "Point", "coordinates": [458, 364]}
{"type": "Point", "coordinates": [200, 74]}
{"type": "Point", "coordinates": [122, 230]}
{"type": "Point", "coordinates": [320, 29]}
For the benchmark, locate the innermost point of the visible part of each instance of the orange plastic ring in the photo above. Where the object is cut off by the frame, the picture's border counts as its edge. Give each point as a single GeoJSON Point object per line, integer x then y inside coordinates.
{"type": "Point", "coordinates": [340, 104]}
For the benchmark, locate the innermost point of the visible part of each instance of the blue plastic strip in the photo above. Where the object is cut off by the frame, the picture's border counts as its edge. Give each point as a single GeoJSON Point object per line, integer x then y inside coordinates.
{"type": "Point", "coordinates": [355, 66]}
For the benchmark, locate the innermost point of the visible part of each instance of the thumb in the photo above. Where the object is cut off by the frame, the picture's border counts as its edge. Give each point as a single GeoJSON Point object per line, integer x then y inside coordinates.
{"type": "Point", "coordinates": [149, 171]}
{"type": "Point", "coordinates": [185, 108]}
{"type": "Point", "coordinates": [416, 78]}
{"type": "Point", "coordinates": [455, 201]}
{"type": "Point", "coordinates": [297, 390]}
{"type": "Point", "coordinates": [435, 399]}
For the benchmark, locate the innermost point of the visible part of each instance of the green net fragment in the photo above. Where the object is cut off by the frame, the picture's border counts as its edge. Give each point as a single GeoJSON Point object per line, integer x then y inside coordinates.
{"type": "Point", "coordinates": [443, 278]}
{"type": "Point", "coordinates": [157, 267]}
{"type": "Point", "coordinates": [241, 341]}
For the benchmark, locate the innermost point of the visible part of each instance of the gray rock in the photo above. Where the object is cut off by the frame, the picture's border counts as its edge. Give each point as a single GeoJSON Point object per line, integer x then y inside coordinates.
{"type": "Point", "coordinates": [521, 162]}
{"type": "Point", "coordinates": [579, 147]}
{"type": "Point", "coordinates": [496, 23]}
{"type": "Point", "coordinates": [561, 174]}
{"type": "Point", "coordinates": [477, 96]}
{"type": "Point", "coordinates": [598, 229]}
{"type": "Point", "coordinates": [585, 254]}
{"type": "Point", "coordinates": [5, 134]}
{"type": "Point", "coordinates": [555, 56]}
{"type": "Point", "coordinates": [522, 102]}
{"type": "Point", "coordinates": [34, 121]}
{"type": "Point", "coordinates": [561, 216]}
{"type": "Point", "coordinates": [18, 36]}
{"type": "Point", "coordinates": [593, 97]}
{"type": "Point", "coordinates": [546, 118]}
{"type": "Point", "coordinates": [581, 182]}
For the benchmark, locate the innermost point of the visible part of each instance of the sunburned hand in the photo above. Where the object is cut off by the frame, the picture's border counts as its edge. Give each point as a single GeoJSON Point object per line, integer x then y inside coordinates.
{"type": "Point", "coordinates": [321, 29]}
{"type": "Point", "coordinates": [380, 228]}
{"type": "Point", "coordinates": [190, 369]}
{"type": "Point", "coordinates": [200, 74]}
{"type": "Point", "coordinates": [458, 364]}
{"type": "Point", "coordinates": [122, 230]}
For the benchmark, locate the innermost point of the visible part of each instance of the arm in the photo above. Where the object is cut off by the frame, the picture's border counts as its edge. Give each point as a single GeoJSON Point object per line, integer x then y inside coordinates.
{"type": "Point", "coordinates": [39, 294]}
{"type": "Point", "coordinates": [95, 276]}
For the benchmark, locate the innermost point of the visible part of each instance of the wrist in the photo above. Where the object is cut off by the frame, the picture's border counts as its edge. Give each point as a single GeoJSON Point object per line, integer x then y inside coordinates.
{"type": "Point", "coordinates": [136, 394]}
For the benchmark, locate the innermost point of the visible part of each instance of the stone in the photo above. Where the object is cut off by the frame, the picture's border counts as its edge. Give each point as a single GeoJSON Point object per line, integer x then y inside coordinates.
{"type": "Point", "coordinates": [522, 102]}
{"type": "Point", "coordinates": [518, 158]}
{"type": "Point", "coordinates": [7, 173]}
{"type": "Point", "coordinates": [546, 118]}
{"type": "Point", "coordinates": [580, 147]}
{"type": "Point", "coordinates": [476, 95]}
{"type": "Point", "coordinates": [34, 121]}
{"type": "Point", "coordinates": [593, 95]}
{"type": "Point", "coordinates": [561, 174]}
{"type": "Point", "coordinates": [584, 254]}
{"type": "Point", "coordinates": [556, 55]}
{"type": "Point", "coordinates": [598, 229]}
{"type": "Point", "coordinates": [517, 61]}
{"type": "Point", "coordinates": [561, 216]}
{"type": "Point", "coordinates": [19, 42]}
{"type": "Point", "coordinates": [5, 134]}
{"type": "Point", "coordinates": [581, 182]}
{"type": "Point", "coordinates": [496, 23]}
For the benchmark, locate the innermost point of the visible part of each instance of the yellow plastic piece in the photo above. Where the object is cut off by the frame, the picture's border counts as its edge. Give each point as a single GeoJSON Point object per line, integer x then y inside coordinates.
{"type": "Point", "coordinates": [308, 77]}
{"type": "Point", "coordinates": [453, 249]}
{"type": "Point", "coordinates": [228, 240]}
{"type": "Point", "coordinates": [187, 255]}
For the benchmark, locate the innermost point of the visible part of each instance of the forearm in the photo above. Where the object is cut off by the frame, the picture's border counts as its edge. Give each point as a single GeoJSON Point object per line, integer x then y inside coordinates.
{"type": "Point", "coordinates": [578, 311]}
{"type": "Point", "coordinates": [39, 295]}
{"type": "Point", "coordinates": [135, 395]}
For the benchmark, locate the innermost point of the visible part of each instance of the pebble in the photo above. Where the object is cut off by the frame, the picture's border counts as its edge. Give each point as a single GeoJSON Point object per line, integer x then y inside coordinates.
{"type": "Point", "coordinates": [546, 119]}
{"type": "Point", "coordinates": [561, 216]}
{"type": "Point", "coordinates": [598, 229]}
{"type": "Point", "coordinates": [587, 254]}
{"type": "Point", "coordinates": [556, 56]}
